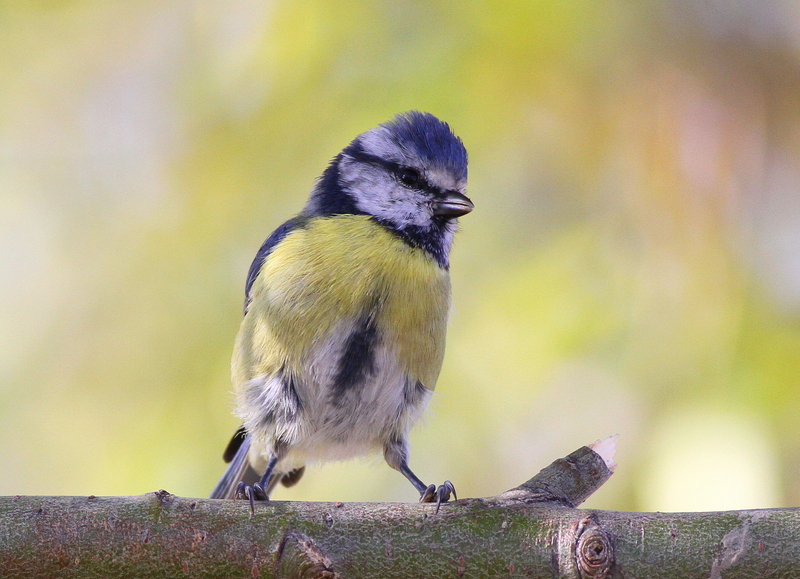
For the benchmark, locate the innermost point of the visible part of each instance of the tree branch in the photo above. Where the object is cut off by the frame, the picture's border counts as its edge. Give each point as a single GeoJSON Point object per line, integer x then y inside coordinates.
{"type": "Point", "coordinates": [531, 531]}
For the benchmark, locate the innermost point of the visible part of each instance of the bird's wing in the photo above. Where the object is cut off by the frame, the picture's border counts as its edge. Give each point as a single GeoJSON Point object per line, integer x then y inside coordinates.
{"type": "Point", "coordinates": [266, 248]}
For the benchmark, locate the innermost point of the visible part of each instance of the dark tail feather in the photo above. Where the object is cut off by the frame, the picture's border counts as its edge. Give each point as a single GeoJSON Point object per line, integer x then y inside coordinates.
{"type": "Point", "coordinates": [293, 476]}
{"type": "Point", "coordinates": [238, 471]}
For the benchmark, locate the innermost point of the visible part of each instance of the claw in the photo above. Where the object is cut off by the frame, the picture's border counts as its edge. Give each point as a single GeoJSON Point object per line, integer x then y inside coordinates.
{"type": "Point", "coordinates": [450, 488]}
{"type": "Point", "coordinates": [443, 494]}
{"type": "Point", "coordinates": [440, 494]}
{"type": "Point", "coordinates": [259, 493]}
{"type": "Point", "coordinates": [251, 493]}
{"type": "Point", "coordinates": [428, 495]}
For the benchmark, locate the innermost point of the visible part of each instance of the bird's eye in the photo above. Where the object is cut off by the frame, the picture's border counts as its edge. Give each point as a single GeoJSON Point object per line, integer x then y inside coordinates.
{"type": "Point", "coordinates": [409, 177]}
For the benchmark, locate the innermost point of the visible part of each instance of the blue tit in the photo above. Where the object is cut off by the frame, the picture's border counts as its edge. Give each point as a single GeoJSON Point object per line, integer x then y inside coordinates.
{"type": "Point", "coordinates": [346, 310]}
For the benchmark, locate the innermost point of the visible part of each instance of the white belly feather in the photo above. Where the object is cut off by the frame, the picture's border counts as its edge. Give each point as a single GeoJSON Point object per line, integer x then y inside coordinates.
{"type": "Point", "coordinates": [328, 426]}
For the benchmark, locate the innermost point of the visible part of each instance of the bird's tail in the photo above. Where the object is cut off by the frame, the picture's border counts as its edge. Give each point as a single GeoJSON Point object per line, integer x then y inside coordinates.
{"type": "Point", "coordinates": [238, 470]}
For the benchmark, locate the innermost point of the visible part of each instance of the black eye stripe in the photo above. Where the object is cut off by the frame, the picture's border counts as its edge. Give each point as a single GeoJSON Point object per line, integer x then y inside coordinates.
{"type": "Point", "coordinates": [395, 169]}
{"type": "Point", "coordinates": [363, 157]}
{"type": "Point", "coordinates": [420, 185]}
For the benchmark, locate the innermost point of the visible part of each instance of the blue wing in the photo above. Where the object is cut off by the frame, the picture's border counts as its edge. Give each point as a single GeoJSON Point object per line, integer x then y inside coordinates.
{"type": "Point", "coordinates": [273, 240]}
{"type": "Point", "coordinates": [239, 469]}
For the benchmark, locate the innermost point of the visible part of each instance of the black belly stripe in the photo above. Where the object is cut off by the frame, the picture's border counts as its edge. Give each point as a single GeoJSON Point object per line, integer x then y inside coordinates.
{"type": "Point", "coordinates": [358, 357]}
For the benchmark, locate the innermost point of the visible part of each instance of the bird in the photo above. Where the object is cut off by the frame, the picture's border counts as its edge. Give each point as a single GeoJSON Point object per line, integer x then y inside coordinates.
{"type": "Point", "coordinates": [345, 312]}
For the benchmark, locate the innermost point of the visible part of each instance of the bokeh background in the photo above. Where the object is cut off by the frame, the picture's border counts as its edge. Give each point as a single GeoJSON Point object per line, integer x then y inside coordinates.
{"type": "Point", "coordinates": [632, 266]}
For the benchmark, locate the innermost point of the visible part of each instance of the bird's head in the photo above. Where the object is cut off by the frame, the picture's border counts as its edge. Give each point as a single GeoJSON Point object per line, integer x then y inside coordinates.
{"type": "Point", "coordinates": [408, 173]}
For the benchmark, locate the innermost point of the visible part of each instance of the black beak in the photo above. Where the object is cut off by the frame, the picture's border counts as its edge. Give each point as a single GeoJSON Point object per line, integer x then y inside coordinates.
{"type": "Point", "coordinates": [452, 204]}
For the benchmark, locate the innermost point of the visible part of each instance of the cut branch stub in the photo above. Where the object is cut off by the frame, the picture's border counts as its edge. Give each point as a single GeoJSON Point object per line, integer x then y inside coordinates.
{"type": "Point", "coordinates": [567, 481]}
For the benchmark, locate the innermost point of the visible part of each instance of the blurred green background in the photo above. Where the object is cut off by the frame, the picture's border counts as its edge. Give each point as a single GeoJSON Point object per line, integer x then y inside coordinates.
{"type": "Point", "coordinates": [632, 266]}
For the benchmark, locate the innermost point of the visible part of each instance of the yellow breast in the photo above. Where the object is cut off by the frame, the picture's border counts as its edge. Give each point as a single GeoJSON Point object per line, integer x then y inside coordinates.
{"type": "Point", "coordinates": [331, 271]}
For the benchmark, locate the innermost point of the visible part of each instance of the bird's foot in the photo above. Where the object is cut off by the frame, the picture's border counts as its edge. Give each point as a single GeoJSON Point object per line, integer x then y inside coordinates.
{"type": "Point", "coordinates": [440, 494]}
{"type": "Point", "coordinates": [252, 493]}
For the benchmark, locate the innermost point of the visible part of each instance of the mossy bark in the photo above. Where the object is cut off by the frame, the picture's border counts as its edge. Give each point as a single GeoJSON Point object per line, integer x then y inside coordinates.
{"type": "Point", "coordinates": [531, 531]}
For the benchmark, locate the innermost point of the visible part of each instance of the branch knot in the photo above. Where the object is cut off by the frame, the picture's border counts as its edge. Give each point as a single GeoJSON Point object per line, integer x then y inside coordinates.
{"type": "Point", "coordinates": [594, 552]}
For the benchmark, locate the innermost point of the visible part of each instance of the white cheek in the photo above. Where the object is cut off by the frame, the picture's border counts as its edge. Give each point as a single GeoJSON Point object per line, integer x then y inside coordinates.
{"type": "Point", "coordinates": [378, 194]}
{"type": "Point", "coordinates": [396, 204]}
{"type": "Point", "coordinates": [407, 207]}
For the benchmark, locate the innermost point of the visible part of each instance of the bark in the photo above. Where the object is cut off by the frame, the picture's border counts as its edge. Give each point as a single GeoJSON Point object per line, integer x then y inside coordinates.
{"type": "Point", "coordinates": [531, 531]}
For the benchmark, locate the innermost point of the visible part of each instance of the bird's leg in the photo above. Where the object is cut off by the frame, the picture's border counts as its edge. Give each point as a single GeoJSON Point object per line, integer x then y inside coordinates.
{"type": "Point", "coordinates": [396, 453]}
{"type": "Point", "coordinates": [429, 493]}
{"type": "Point", "coordinates": [257, 491]}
